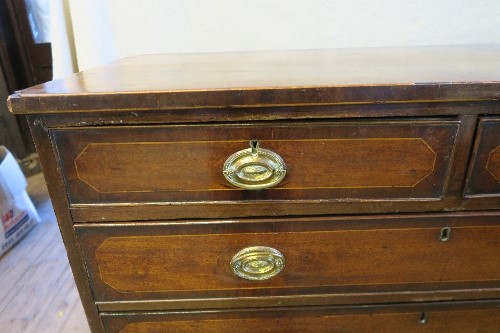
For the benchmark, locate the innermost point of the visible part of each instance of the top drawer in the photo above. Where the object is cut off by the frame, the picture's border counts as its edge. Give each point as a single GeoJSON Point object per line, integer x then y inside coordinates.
{"type": "Point", "coordinates": [179, 169]}
{"type": "Point", "coordinates": [484, 171]}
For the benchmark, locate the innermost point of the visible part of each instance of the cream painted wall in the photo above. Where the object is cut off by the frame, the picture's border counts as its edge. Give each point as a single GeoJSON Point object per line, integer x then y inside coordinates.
{"type": "Point", "coordinates": [113, 29]}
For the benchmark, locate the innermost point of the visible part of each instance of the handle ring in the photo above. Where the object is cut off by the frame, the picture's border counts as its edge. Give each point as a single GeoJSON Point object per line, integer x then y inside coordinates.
{"type": "Point", "coordinates": [254, 168]}
{"type": "Point", "coordinates": [257, 263]}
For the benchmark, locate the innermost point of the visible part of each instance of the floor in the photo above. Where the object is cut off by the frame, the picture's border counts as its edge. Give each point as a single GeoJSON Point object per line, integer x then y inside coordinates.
{"type": "Point", "coordinates": [37, 289]}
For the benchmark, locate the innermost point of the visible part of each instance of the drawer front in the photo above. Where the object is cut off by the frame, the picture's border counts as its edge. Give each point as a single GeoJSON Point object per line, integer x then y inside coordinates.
{"type": "Point", "coordinates": [484, 171]}
{"type": "Point", "coordinates": [193, 260]}
{"type": "Point", "coordinates": [344, 162]}
{"type": "Point", "coordinates": [373, 320]}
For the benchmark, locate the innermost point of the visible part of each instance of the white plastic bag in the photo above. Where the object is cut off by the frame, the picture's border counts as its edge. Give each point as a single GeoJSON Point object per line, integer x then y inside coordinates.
{"type": "Point", "coordinates": [17, 213]}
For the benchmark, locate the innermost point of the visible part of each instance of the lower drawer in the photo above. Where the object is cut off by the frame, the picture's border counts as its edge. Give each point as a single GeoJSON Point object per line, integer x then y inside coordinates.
{"type": "Point", "coordinates": [372, 319]}
{"type": "Point", "coordinates": [194, 264]}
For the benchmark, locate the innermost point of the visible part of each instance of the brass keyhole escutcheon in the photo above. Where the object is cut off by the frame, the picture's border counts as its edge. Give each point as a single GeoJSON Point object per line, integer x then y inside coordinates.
{"type": "Point", "coordinates": [424, 318]}
{"type": "Point", "coordinates": [445, 234]}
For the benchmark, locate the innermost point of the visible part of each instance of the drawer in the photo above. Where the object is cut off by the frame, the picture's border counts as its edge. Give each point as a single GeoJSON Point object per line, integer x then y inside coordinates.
{"type": "Point", "coordinates": [422, 318]}
{"type": "Point", "coordinates": [484, 172]}
{"type": "Point", "coordinates": [194, 264]}
{"type": "Point", "coordinates": [179, 169]}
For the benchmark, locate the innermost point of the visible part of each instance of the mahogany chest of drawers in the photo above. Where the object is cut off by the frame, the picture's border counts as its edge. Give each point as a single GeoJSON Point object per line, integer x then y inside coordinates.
{"type": "Point", "coordinates": [298, 191]}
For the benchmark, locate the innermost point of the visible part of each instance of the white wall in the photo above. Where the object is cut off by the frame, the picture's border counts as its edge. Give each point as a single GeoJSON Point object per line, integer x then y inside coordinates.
{"type": "Point", "coordinates": [105, 30]}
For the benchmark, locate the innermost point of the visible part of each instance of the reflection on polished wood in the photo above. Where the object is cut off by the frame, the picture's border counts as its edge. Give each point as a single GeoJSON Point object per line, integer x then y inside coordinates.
{"type": "Point", "coordinates": [274, 78]}
{"type": "Point", "coordinates": [132, 264]}
{"type": "Point", "coordinates": [328, 161]}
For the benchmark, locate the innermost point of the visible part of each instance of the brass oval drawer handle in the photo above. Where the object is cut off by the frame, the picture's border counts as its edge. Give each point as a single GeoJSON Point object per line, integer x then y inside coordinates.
{"type": "Point", "coordinates": [257, 263]}
{"type": "Point", "coordinates": [254, 168]}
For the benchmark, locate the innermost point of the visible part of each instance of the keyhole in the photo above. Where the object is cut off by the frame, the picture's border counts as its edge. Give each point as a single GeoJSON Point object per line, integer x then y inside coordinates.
{"type": "Point", "coordinates": [445, 233]}
{"type": "Point", "coordinates": [254, 145]}
{"type": "Point", "coordinates": [424, 316]}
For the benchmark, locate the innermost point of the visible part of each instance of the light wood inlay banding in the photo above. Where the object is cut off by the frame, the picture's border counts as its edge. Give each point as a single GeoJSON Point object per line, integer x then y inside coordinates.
{"type": "Point", "coordinates": [463, 321]}
{"type": "Point", "coordinates": [493, 164]}
{"type": "Point", "coordinates": [189, 166]}
{"type": "Point", "coordinates": [164, 263]}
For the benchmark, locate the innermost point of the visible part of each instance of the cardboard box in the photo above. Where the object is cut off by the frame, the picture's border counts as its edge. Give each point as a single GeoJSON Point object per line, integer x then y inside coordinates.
{"type": "Point", "coordinates": [17, 213]}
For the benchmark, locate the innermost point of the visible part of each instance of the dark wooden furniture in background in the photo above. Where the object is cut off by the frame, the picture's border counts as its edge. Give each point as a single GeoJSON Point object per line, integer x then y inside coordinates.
{"type": "Point", "coordinates": [24, 63]}
{"type": "Point", "coordinates": [387, 219]}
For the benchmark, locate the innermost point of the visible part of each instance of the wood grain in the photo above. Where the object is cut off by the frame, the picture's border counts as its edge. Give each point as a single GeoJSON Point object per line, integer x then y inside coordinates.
{"type": "Point", "coordinates": [328, 161]}
{"type": "Point", "coordinates": [133, 262]}
{"type": "Point", "coordinates": [60, 204]}
{"type": "Point", "coordinates": [251, 114]}
{"type": "Point", "coordinates": [273, 78]}
{"type": "Point", "coordinates": [493, 164]}
{"type": "Point", "coordinates": [484, 172]}
{"type": "Point", "coordinates": [374, 319]}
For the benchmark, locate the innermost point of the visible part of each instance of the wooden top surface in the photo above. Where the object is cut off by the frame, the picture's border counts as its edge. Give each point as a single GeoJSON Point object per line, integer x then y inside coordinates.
{"type": "Point", "coordinates": [273, 78]}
